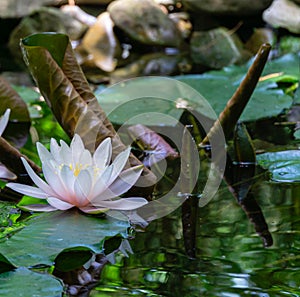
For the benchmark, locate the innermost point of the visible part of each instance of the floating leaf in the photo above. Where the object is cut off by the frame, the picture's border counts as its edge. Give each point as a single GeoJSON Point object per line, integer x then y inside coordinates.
{"type": "Point", "coordinates": [216, 87]}
{"type": "Point", "coordinates": [25, 283]}
{"type": "Point", "coordinates": [145, 100]}
{"type": "Point", "coordinates": [45, 236]}
{"type": "Point", "coordinates": [284, 166]}
{"type": "Point", "coordinates": [283, 69]}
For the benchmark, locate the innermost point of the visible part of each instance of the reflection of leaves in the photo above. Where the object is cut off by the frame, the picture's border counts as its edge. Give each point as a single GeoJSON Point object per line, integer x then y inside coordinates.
{"type": "Point", "coordinates": [284, 166]}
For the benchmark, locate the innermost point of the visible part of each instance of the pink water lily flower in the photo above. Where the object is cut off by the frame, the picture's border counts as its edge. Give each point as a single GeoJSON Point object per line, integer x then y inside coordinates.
{"type": "Point", "coordinates": [76, 178]}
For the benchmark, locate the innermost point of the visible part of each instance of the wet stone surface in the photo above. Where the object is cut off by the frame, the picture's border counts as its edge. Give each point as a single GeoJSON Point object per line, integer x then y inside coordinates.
{"type": "Point", "coordinates": [145, 22]}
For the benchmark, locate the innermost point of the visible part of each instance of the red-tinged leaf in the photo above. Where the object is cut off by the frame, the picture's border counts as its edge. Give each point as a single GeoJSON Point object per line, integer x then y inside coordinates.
{"type": "Point", "coordinates": [151, 141]}
{"type": "Point", "coordinates": [61, 81]}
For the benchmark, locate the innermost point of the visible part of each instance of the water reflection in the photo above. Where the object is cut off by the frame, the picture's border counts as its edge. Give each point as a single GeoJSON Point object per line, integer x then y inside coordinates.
{"type": "Point", "coordinates": [231, 260]}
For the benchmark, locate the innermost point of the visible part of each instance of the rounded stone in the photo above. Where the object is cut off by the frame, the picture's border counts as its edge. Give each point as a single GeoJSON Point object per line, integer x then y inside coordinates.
{"type": "Point", "coordinates": [283, 14]}
{"type": "Point", "coordinates": [228, 7]}
{"type": "Point", "coordinates": [145, 22]}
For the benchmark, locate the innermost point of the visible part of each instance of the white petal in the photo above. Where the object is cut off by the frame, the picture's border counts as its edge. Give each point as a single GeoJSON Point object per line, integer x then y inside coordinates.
{"type": "Point", "coordinates": [65, 153]}
{"type": "Point", "coordinates": [68, 179]}
{"type": "Point", "coordinates": [77, 147]}
{"type": "Point", "coordinates": [82, 187]}
{"type": "Point", "coordinates": [27, 190]}
{"type": "Point", "coordinates": [77, 144]}
{"type": "Point", "coordinates": [37, 180]}
{"type": "Point", "coordinates": [59, 204]}
{"type": "Point", "coordinates": [85, 158]}
{"type": "Point", "coordinates": [38, 207]}
{"type": "Point", "coordinates": [122, 184]}
{"type": "Point", "coordinates": [44, 154]}
{"type": "Point", "coordinates": [4, 121]}
{"type": "Point", "coordinates": [55, 151]}
{"type": "Point", "coordinates": [101, 183]}
{"type": "Point", "coordinates": [102, 155]}
{"type": "Point", "coordinates": [118, 164]}
{"type": "Point", "coordinates": [54, 180]}
{"type": "Point", "coordinates": [123, 203]}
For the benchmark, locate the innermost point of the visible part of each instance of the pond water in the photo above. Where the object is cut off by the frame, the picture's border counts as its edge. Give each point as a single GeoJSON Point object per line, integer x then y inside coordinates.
{"type": "Point", "coordinates": [230, 261]}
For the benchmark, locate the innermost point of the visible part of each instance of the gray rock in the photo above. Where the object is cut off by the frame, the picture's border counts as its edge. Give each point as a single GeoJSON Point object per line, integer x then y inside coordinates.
{"type": "Point", "coordinates": [149, 64]}
{"type": "Point", "coordinates": [283, 14]}
{"type": "Point", "coordinates": [216, 48]}
{"type": "Point", "coordinates": [17, 8]}
{"type": "Point", "coordinates": [45, 19]}
{"type": "Point", "coordinates": [228, 7]}
{"type": "Point", "coordinates": [260, 36]}
{"type": "Point", "coordinates": [145, 22]}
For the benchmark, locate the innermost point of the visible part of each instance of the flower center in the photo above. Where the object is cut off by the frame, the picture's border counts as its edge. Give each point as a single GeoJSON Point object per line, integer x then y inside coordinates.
{"type": "Point", "coordinates": [76, 169]}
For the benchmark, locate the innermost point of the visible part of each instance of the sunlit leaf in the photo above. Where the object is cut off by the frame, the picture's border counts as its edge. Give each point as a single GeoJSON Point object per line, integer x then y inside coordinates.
{"type": "Point", "coordinates": [45, 236]}
{"type": "Point", "coordinates": [25, 283]}
{"type": "Point", "coordinates": [283, 166]}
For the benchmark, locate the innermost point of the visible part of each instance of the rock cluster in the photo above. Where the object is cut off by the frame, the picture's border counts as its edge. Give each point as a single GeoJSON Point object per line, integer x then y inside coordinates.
{"type": "Point", "coordinates": [146, 37]}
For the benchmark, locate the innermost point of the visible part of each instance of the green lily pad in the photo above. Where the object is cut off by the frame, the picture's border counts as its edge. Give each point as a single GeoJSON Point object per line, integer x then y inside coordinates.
{"type": "Point", "coordinates": [283, 166]}
{"type": "Point", "coordinates": [151, 101]}
{"type": "Point", "coordinates": [25, 283]}
{"type": "Point", "coordinates": [286, 68]}
{"type": "Point", "coordinates": [48, 234]}
{"type": "Point", "coordinates": [137, 100]}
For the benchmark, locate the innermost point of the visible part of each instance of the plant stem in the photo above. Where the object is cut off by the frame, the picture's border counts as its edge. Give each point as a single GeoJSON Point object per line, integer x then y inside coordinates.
{"type": "Point", "coordinates": [236, 105]}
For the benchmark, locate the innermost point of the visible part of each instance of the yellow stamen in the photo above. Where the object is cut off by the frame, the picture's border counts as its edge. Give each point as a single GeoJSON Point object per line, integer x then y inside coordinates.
{"type": "Point", "coordinates": [77, 169]}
